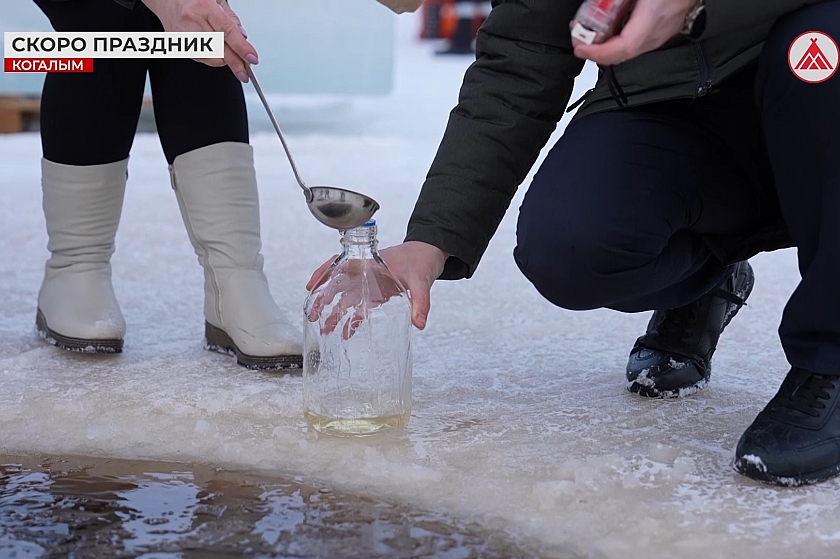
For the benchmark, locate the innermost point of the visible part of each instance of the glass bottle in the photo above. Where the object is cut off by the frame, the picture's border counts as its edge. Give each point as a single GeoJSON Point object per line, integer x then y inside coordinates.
{"type": "Point", "coordinates": [357, 343]}
{"type": "Point", "coordinates": [598, 20]}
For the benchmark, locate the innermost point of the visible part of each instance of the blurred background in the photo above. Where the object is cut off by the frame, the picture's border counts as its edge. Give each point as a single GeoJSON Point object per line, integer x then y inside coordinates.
{"type": "Point", "coordinates": [318, 55]}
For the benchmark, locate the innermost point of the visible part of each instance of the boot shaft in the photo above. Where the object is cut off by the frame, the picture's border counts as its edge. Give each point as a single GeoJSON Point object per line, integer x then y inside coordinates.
{"type": "Point", "coordinates": [82, 207]}
{"type": "Point", "coordinates": [216, 187]}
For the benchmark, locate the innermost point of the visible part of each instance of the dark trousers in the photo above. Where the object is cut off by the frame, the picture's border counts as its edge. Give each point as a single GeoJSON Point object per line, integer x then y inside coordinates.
{"type": "Point", "coordinates": [91, 119]}
{"type": "Point", "coordinates": [616, 216]}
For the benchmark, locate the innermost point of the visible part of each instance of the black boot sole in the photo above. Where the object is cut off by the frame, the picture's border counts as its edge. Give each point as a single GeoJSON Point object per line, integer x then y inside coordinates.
{"type": "Point", "coordinates": [77, 345]}
{"type": "Point", "coordinates": [646, 391]}
{"type": "Point", "coordinates": [756, 470]}
{"type": "Point", "coordinates": [649, 391]}
{"type": "Point", "coordinates": [217, 340]}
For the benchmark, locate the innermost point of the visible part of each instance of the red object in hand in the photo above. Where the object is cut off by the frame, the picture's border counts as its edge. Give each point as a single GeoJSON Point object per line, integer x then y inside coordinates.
{"type": "Point", "coordinates": [598, 20]}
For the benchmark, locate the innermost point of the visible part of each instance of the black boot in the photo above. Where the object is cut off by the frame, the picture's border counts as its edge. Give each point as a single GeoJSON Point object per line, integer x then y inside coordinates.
{"type": "Point", "coordinates": [796, 438]}
{"type": "Point", "coordinates": [674, 357]}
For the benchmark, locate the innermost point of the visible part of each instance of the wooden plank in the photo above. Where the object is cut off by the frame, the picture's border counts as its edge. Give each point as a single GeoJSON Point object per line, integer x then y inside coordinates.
{"type": "Point", "coordinates": [17, 111]}
{"type": "Point", "coordinates": [10, 121]}
{"type": "Point", "coordinates": [18, 103]}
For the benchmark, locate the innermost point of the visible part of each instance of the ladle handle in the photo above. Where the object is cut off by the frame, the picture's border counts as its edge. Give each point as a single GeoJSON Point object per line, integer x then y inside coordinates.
{"type": "Point", "coordinates": [279, 132]}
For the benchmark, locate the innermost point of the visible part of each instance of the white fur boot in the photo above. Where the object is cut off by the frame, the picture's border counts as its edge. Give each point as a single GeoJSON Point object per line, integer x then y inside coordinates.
{"type": "Point", "coordinates": [216, 187]}
{"type": "Point", "coordinates": [77, 308]}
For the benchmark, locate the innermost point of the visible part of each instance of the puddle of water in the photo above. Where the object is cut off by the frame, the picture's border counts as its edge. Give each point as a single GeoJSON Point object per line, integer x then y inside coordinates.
{"type": "Point", "coordinates": [96, 508]}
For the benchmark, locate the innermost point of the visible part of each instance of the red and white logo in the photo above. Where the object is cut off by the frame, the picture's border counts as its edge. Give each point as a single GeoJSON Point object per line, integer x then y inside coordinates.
{"type": "Point", "coordinates": [814, 57]}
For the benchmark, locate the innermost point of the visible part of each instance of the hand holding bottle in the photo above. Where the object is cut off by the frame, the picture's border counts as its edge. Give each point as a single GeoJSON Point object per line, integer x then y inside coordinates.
{"type": "Point", "coordinates": [360, 287]}
{"type": "Point", "coordinates": [596, 21]}
{"type": "Point", "coordinates": [414, 264]}
{"type": "Point", "coordinates": [652, 23]}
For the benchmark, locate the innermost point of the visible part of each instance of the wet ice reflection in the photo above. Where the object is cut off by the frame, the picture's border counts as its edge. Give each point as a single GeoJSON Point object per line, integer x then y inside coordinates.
{"type": "Point", "coordinates": [94, 509]}
{"type": "Point", "coordinates": [159, 509]}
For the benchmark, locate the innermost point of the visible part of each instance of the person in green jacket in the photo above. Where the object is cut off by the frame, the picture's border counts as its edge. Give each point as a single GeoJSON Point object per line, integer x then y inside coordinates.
{"type": "Point", "coordinates": [710, 136]}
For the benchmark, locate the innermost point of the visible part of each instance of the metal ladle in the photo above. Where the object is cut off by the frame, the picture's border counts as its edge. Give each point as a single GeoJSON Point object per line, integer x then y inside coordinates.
{"type": "Point", "coordinates": [334, 207]}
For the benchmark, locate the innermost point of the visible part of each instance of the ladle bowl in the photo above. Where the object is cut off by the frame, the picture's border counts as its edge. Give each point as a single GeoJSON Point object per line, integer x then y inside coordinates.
{"type": "Point", "coordinates": [339, 208]}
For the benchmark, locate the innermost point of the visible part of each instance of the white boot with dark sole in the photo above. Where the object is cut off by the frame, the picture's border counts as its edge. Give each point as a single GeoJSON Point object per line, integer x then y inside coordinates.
{"type": "Point", "coordinates": [216, 187]}
{"type": "Point", "coordinates": [77, 307]}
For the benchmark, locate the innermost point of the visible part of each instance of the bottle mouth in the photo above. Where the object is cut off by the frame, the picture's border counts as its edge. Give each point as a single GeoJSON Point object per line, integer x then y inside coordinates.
{"type": "Point", "coordinates": [364, 229]}
{"type": "Point", "coordinates": [363, 234]}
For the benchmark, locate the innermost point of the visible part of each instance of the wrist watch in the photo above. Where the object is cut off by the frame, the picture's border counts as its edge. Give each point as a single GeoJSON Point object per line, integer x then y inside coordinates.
{"type": "Point", "coordinates": [695, 20]}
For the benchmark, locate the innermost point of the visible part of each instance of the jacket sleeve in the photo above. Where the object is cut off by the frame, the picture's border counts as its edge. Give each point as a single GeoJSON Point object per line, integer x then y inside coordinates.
{"type": "Point", "coordinates": [510, 102]}
{"type": "Point", "coordinates": [725, 16]}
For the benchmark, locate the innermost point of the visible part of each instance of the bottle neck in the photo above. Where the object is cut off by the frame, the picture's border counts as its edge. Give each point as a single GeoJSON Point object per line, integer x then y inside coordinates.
{"type": "Point", "coordinates": [360, 242]}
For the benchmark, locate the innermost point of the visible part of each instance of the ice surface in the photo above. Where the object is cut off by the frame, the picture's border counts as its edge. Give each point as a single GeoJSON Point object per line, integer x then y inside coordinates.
{"type": "Point", "coordinates": [520, 409]}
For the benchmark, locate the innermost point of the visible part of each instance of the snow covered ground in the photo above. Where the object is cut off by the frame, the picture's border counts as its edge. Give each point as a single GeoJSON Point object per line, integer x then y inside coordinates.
{"type": "Point", "coordinates": [520, 412]}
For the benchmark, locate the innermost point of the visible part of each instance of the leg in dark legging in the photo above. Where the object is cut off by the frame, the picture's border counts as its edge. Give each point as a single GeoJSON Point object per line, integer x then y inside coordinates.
{"type": "Point", "coordinates": [196, 105]}
{"type": "Point", "coordinates": [91, 119]}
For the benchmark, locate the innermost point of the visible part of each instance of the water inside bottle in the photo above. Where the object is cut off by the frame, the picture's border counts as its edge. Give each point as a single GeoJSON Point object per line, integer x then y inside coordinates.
{"type": "Point", "coordinates": [355, 427]}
